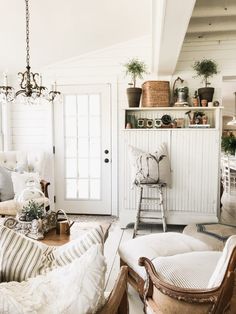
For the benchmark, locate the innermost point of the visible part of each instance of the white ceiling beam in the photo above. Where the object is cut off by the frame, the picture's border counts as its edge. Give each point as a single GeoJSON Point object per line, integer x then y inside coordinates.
{"type": "Point", "coordinates": [169, 25]}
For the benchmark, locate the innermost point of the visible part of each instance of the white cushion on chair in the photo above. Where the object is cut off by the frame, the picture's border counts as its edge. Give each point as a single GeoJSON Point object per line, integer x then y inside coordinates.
{"type": "Point", "coordinates": [189, 270]}
{"type": "Point", "coordinates": [220, 269]}
{"type": "Point", "coordinates": [158, 244]}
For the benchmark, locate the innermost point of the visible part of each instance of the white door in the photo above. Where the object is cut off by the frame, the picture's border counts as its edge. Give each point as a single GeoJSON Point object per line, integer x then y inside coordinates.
{"type": "Point", "coordinates": [83, 149]}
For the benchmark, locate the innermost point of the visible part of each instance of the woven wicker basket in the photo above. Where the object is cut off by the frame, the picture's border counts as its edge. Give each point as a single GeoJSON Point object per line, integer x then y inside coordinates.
{"type": "Point", "coordinates": [156, 94]}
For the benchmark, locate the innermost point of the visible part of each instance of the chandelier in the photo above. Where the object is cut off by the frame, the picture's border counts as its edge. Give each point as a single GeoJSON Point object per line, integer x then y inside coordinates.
{"type": "Point", "coordinates": [31, 90]}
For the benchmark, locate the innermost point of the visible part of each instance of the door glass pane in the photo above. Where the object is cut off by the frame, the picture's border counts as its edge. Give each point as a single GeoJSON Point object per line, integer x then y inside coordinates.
{"type": "Point", "coordinates": [82, 102]}
{"type": "Point", "coordinates": [71, 188]}
{"type": "Point", "coordinates": [71, 147]}
{"type": "Point", "coordinates": [83, 188]}
{"type": "Point", "coordinates": [82, 126]}
{"type": "Point", "coordinates": [83, 147]}
{"type": "Point", "coordinates": [70, 105]}
{"type": "Point", "coordinates": [83, 168]}
{"type": "Point", "coordinates": [94, 126]}
{"type": "Point", "coordinates": [94, 105]}
{"type": "Point", "coordinates": [95, 147]}
{"type": "Point", "coordinates": [95, 168]}
{"type": "Point", "coordinates": [95, 189]}
{"type": "Point", "coordinates": [71, 168]}
{"type": "Point", "coordinates": [70, 127]}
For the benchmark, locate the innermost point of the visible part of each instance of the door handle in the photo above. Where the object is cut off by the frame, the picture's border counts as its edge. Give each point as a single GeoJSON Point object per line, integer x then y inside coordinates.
{"type": "Point", "coordinates": [106, 160]}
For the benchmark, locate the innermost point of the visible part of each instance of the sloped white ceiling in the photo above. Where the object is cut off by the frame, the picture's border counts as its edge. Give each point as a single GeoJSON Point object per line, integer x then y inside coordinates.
{"type": "Point", "coordinates": [62, 29]}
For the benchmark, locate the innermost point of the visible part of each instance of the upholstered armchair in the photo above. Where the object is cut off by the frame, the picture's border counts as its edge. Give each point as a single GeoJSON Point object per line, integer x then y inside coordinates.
{"type": "Point", "coordinates": [18, 164]}
{"type": "Point", "coordinates": [193, 282]}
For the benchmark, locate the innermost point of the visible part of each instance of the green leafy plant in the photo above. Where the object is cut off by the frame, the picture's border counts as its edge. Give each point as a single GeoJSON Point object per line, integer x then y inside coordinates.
{"type": "Point", "coordinates": [135, 68]}
{"type": "Point", "coordinates": [228, 144]}
{"type": "Point", "coordinates": [206, 68]}
{"type": "Point", "coordinates": [32, 211]}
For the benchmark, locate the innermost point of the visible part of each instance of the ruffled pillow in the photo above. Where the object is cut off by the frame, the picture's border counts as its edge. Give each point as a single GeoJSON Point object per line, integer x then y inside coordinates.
{"type": "Point", "coordinates": [74, 288]}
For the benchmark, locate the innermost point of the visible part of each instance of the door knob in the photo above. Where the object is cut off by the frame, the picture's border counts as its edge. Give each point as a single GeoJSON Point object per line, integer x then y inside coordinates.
{"type": "Point", "coordinates": [106, 160]}
{"type": "Point", "coordinates": [106, 151]}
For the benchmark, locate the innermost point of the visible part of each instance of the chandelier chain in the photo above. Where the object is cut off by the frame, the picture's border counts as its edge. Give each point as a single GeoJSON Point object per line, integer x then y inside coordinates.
{"type": "Point", "coordinates": [27, 34]}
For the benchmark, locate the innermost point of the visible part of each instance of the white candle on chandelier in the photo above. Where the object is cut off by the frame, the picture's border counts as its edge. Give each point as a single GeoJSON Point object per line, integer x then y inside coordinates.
{"type": "Point", "coordinates": [55, 86]}
{"type": "Point", "coordinates": [5, 81]}
{"type": "Point", "coordinates": [40, 80]}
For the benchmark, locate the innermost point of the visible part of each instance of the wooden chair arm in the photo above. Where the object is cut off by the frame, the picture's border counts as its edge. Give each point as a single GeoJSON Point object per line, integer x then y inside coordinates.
{"type": "Point", "coordinates": [117, 302]}
{"type": "Point", "coordinates": [44, 186]}
{"type": "Point", "coordinates": [218, 297]}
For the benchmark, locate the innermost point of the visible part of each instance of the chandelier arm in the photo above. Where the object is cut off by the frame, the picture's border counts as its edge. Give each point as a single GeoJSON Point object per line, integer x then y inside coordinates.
{"type": "Point", "coordinates": [22, 78]}
{"type": "Point", "coordinates": [20, 92]}
{"type": "Point", "coordinates": [34, 75]}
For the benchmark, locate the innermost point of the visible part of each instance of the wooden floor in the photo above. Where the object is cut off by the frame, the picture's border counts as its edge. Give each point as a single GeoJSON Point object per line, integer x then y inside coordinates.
{"type": "Point", "coordinates": [118, 235]}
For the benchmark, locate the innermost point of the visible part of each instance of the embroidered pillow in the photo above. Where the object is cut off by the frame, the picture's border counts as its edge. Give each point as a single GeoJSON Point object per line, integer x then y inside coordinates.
{"type": "Point", "coordinates": [74, 288]}
{"type": "Point", "coordinates": [22, 258]}
{"type": "Point", "coordinates": [155, 166]}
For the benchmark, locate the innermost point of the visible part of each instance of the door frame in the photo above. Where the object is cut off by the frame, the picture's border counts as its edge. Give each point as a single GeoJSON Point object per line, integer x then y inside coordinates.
{"type": "Point", "coordinates": [112, 82]}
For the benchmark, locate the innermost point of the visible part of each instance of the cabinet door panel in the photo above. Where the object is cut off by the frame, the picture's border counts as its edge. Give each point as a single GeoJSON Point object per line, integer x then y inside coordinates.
{"type": "Point", "coordinates": [195, 164]}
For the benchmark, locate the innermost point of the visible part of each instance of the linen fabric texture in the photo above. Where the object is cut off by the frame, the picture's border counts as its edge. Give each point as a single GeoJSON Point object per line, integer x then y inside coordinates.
{"type": "Point", "coordinates": [150, 168]}
{"type": "Point", "coordinates": [22, 258]}
{"type": "Point", "coordinates": [6, 186]}
{"type": "Point", "coordinates": [77, 287]}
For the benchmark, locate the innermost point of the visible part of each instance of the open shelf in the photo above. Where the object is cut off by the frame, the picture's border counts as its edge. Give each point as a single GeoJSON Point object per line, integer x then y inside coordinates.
{"type": "Point", "coordinates": [154, 115]}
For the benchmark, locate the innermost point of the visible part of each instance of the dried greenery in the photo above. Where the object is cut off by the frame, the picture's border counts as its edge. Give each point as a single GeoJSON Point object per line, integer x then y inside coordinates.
{"type": "Point", "coordinates": [228, 144]}
{"type": "Point", "coordinates": [31, 211]}
{"type": "Point", "coordinates": [135, 68]}
{"type": "Point", "coordinates": [205, 68]}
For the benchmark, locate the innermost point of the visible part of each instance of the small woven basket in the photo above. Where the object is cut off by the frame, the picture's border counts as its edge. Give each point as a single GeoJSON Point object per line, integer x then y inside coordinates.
{"type": "Point", "coordinates": [156, 94]}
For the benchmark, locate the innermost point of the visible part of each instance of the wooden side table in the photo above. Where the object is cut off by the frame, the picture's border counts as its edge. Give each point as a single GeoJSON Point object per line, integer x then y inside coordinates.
{"type": "Point", "coordinates": [77, 230]}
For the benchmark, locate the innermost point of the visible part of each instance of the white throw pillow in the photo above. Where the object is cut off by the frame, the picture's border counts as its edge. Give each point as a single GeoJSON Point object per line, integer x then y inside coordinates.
{"type": "Point", "coordinates": [6, 186]}
{"type": "Point", "coordinates": [159, 173]}
{"type": "Point", "coordinates": [74, 288]}
{"type": "Point", "coordinates": [22, 258]}
{"type": "Point", "coordinates": [20, 181]}
{"type": "Point", "coordinates": [220, 269]}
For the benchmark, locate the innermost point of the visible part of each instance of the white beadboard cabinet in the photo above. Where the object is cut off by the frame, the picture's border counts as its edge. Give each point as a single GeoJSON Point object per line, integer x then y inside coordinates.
{"type": "Point", "coordinates": [195, 164]}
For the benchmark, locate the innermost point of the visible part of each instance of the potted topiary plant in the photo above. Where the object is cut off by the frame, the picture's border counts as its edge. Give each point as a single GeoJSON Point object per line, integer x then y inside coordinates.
{"type": "Point", "coordinates": [205, 68]}
{"type": "Point", "coordinates": [228, 144]}
{"type": "Point", "coordinates": [135, 69]}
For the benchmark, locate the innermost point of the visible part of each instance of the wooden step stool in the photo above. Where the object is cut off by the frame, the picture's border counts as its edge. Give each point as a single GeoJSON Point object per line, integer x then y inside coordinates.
{"type": "Point", "coordinates": [145, 215]}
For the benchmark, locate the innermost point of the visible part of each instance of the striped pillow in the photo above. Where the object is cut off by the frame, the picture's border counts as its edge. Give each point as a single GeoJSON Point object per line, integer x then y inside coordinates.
{"type": "Point", "coordinates": [65, 254]}
{"type": "Point", "coordinates": [22, 258]}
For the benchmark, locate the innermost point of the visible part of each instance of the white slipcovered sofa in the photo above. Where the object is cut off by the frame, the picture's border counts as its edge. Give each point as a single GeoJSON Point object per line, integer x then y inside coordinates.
{"type": "Point", "coordinates": [19, 164]}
